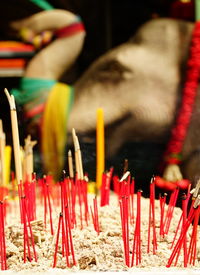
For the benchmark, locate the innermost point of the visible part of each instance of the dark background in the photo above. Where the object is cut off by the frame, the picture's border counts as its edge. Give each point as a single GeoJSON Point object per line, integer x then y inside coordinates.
{"type": "Point", "coordinates": [108, 23]}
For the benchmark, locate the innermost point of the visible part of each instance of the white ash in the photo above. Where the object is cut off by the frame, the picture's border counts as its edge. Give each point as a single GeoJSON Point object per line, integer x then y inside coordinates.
{"type": "Point", "coordinates": [93, 252]}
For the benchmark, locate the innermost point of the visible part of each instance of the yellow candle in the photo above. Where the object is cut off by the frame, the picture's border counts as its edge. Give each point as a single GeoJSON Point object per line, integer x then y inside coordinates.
{"type": "Point", "coordinates": [100, 147]}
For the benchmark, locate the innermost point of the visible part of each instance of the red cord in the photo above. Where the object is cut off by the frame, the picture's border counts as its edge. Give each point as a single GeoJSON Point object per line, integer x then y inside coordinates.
{"type": "Point", "coordinates": [69, 30]}
{"type": "Point", "coordinates": [179, 131]}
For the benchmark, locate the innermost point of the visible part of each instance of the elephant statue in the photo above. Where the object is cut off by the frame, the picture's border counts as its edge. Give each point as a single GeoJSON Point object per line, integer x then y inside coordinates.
{"type": "Point", "coordinates": [138, 84]}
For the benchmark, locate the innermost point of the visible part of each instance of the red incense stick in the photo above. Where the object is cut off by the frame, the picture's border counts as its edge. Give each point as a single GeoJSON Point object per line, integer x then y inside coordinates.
{"type": "Point", "coordinates": [93, 219]}
{"type": "Point", "coordinates": [177, 230]}
{"type": "Point", "coordinates": [85, 198]}
{"type": "Point", "coordinates": [78, 188]}
{"type": "Point", "coordinates": [184, 208]}
{"type": "Point", "coordinates": [20, 194]}
{"type": "Point", "coordinates": [136, 252]}
{"type": "Point", "coordinates": [181, 238]}
{"type": "Point", "coordinates": [65, 239]}
{"type": "Point", "coordinates": [162, 199]}
{"type": "Point", "coordinates": [30, 229]}
{"type": "Point", "coordinates": [1, 249]}
{"type": "Point", "coordinates": [126, 226]}
{"type": "Point", "coordinates": [132, 191]}
{"type": "Point", "coordinates": [50, 208]}
{"type": "Point", "coordinates": [193, 241]}
{"type": "Point", "coordinates": [73, 196]}
{"type": "Point", "coordinates": [44, 193]}
{"type": "Point", "coordinates": [125, 233]}
{"type": "Point", "coordinates": [116, 185]}
{"type": "Point", "coordinates": [57, 240]}
{"type": "Point", "coordinates": [170, 210]}
{"type": "Point", "coordinates": [96, 215]}
{"type": "Point", "coordinates": [26, 239]}
{"type": "Point", "coordinates": [70, 234]}
{"type": "Point", "coordinates": [105, 187]}
{"type": "Point", "coordinates": [152, 219]}
{"type": "Point", "coordinates": [184, 241]}
{"type": "Point", "coordinates": [2, 239]}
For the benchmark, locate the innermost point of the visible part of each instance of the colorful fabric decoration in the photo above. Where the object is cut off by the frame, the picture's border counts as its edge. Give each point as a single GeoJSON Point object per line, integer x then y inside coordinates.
{"type": "Point", "coordinates": [54, 127]}
{"type": "Point", "coordinates": [43, 4]}
{"type": "Point", "coordinates": [31, 88]}
{"type": "Point", "coordinates": [45, 37]}
{"type": "Point", "coordinates": [39, 97]}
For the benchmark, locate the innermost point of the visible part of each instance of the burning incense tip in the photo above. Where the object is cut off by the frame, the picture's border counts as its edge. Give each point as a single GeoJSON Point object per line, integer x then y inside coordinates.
{"type": "Point", "coordinates": [125, 176]}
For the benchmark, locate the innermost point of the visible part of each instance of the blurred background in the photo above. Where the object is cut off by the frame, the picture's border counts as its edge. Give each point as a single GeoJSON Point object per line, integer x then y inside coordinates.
{"type": "Point", "coordinates": [108, 23]}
